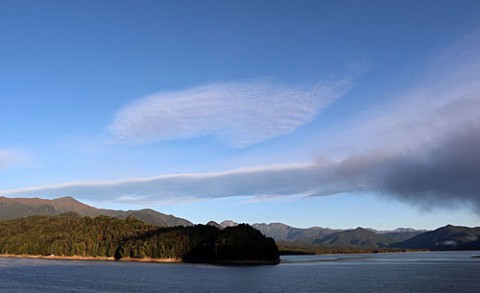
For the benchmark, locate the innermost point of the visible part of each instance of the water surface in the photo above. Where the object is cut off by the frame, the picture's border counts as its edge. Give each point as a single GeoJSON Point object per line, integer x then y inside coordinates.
{"type": "Point", "coordinates": [405, 272]}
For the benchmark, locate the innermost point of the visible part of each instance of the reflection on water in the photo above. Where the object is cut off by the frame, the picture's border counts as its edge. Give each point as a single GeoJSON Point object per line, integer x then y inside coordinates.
{"type": "Point", "coordinates": [403, 272]}
{"type": "Point", "coordinates": [323, 258]}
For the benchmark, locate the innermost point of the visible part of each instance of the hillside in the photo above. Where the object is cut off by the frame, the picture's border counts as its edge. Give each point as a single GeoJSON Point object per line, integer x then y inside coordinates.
{"type": "Point", "coordinates": [15, 208]}
{"type": "Point", "coordinates": [282, 232]}
{"type": "Point", "coordinates": [444, 238]}
{"type": "Point", "coordinates": [357, 238]}
{"type": "Point", "coordinates": [69, 235]}
{"type": "Point", "coordinates": [402, 234]}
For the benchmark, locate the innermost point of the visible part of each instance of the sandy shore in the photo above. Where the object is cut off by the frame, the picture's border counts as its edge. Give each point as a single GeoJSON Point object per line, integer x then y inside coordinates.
{"type": "Point", "coordinates": [148, 259]}
{"type": "Point", "coordinates": [91, 258]}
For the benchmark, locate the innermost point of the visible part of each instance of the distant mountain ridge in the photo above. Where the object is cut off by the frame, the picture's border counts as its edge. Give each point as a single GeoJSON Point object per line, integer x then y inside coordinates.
{"type": "Point", "coordinates": [14, 208]}
{"type": "Point", "coordinates": [282, 232]}
{"type": "Point", "coordinates": [445, 238]}
{"type": "Point", "coordinates": [359, 237]}
{"type": "Point", "coordinates": [356, 238]}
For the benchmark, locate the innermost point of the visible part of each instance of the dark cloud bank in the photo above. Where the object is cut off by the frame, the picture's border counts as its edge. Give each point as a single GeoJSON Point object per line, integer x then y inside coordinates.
{"type": "Point", "coordinates": [446, 174]}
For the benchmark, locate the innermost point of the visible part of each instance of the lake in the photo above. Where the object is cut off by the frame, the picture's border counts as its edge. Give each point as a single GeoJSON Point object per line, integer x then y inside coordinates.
{"type": "Point", "coordinates": [404, 272]}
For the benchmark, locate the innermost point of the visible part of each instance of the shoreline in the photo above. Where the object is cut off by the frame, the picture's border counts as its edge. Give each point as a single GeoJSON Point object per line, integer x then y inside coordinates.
{"type": "Point", "coordinates": [301, 252]}
{"type": "Point", "coordinates": [143, 260]}
{"type": "Point", "coordinates": [92, 258]}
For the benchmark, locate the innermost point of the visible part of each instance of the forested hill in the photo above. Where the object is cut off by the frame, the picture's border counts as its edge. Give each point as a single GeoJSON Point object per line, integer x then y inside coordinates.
{"type": "Point", "coordinates": [102, 236]}
{"type": "Point", "coordinates": [15, 208]}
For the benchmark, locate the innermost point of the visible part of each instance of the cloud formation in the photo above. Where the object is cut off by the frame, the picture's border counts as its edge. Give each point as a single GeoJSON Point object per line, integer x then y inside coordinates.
{"type": "Point", "coordinates": [447, 173]}
{"type": "Point", "coordinates": [423, 148]}
{"type": "Point", "coordinates": [239, 114]}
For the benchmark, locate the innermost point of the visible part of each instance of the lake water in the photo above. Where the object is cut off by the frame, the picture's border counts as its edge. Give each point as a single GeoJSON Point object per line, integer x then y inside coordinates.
{"type": "Point", "coordinates": [407, 272]}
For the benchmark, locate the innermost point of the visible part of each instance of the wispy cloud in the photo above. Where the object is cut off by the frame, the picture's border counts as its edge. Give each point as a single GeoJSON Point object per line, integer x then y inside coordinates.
{"type": "Point", "coordinates": [244, 182]}
{"type": "Point", "coordinates": [239, 114]}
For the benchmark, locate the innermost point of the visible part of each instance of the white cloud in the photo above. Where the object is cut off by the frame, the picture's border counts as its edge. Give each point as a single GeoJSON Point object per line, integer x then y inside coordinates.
{"type": "Point", "coordinates": [239, 114]}
{"type": "Point", "coordinates": [245, 182]}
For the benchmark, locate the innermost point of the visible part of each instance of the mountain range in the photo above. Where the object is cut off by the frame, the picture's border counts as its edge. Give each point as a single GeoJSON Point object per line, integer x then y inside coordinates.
{"type": "Point", "coordinates": [359, 237]}
{"type": "Point", "coordinates": [14, 208]}
{"type": "Point", "coordinates": [445, 238]}
{"type": "Point", "coordinates": [311, 239]}
{"type": "Point", "coordinates": [362, 239]}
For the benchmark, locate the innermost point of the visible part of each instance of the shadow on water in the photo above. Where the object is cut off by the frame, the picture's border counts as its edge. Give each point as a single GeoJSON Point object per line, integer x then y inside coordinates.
{"type": "Point", "coordinates": [322, 260]}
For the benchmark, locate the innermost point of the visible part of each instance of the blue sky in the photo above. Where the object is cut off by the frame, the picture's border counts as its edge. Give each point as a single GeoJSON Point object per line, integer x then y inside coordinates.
{"type": "Point", "coordinates": [310, 113]}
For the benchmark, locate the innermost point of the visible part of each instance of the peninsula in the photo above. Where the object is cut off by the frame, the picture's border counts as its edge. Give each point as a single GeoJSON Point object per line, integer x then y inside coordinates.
{"type": "Point", "coordinates": [70, 236]}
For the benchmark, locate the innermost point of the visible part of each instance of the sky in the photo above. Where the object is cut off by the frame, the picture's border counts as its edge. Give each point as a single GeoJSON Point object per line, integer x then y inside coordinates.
{"type": "Point", "coordinates": [311, 113]}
